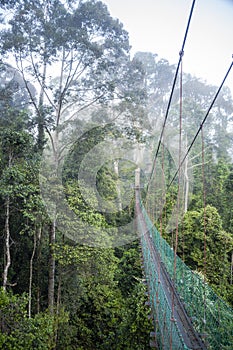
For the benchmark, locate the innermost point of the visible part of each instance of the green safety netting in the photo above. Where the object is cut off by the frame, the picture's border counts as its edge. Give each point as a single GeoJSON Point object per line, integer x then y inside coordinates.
{"type": "Point", "coordinates": [160, 306]}
{"type": "Point", "coordinates": [210, 315]}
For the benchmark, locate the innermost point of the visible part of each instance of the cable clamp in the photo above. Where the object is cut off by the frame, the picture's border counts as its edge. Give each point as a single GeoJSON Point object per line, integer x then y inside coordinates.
{"type": "Point", "coordinates": [181, 53]}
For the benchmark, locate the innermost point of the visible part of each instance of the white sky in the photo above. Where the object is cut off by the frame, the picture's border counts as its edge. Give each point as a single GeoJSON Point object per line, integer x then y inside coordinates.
{"type": "Point", "coordinates": [158, 26]}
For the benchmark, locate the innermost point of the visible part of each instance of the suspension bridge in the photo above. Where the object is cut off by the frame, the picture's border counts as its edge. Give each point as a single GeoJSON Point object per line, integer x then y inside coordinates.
{"type": "Point", "coordinates": [186, 312]}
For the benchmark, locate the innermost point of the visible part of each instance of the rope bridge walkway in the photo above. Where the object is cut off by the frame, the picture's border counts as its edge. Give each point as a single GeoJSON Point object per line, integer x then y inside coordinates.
{"type": "Point", "coordinates": [187, 314]}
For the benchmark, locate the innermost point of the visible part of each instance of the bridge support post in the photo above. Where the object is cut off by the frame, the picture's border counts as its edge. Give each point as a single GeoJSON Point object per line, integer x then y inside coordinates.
{"type": "Point", "coordinates": [137, 178]}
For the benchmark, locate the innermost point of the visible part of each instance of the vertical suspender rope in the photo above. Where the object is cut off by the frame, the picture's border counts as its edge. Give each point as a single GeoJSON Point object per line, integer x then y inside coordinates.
{"type": "Point", "coordinates": [160, 241]}
{"type": "Point", "coordinates": [178, 199]}
{"type": "Point", "coordinates": [202, 123]}
{"type": "Point", "coordinates": [204, 219]}
{"type": "Point", "coordinates": [179, 176]}
{"type": "Point", "coordinates": [181, 53]}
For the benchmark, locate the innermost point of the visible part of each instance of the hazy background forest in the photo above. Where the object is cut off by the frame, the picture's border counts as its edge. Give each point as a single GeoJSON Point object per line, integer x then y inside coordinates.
{"type": "Point", "coordinates": [67, 83]}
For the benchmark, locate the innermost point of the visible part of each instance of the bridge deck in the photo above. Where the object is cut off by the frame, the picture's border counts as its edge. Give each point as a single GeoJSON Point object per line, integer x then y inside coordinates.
{"type": "Point", "coordinates": [190, 337]}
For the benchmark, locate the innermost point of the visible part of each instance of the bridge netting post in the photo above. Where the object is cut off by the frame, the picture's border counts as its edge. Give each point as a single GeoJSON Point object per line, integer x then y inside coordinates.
{"type": "Point", "coordinates": [137, 178]}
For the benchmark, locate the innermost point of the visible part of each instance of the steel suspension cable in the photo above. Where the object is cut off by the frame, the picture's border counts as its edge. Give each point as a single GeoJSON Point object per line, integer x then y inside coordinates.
{"type": "Point", "coordinates": [202, 123]}
{"type": "Point", "coordinates": [181, 53]}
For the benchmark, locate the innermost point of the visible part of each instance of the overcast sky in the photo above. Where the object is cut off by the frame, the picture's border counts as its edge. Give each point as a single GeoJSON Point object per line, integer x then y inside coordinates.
{"type": "Point", "coordinates": [158, 26]}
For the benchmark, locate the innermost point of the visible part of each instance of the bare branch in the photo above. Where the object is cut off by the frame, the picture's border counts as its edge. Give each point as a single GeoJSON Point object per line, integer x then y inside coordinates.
{"type": "Point", "coordinates": [196, 165]}
{"type": "Point", "coordinates": [51, 139]}
{"type": "Point", "coordinates": [84, 107]}
{"type": "Point", "coordinates": [40, 83]}
{"type": "Point", "coordinates": [26, 83]}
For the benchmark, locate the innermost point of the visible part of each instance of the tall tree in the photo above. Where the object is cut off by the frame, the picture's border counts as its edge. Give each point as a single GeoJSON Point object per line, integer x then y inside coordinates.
{"type": "Point", "coordinates": [76, 55]}
{"type": "Point", "coordinates": [14, 184]}
{"type": "Point", "coordinates": [158, 77]}
{"type": "Point", "coordinates": [82, 44]}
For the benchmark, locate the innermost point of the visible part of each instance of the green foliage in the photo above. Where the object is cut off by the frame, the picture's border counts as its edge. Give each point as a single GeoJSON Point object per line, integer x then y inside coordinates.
{"type": "Point", "coordinates": [14, 99]}
{"type": "Point", "coordinates": [84, 211]}
{"type": "Point", "coordinates": [204, 228]}
{"type": "Point", "coordinates": [118, 314]}
{"type": "Point", "coordinates": [18, 332]}
{"type": "Point", "coordinates": [19, 173]}
{"type": "Point", "coordinates": [129, 270]}
{"type": "Point", "coordinates": [135, 329]}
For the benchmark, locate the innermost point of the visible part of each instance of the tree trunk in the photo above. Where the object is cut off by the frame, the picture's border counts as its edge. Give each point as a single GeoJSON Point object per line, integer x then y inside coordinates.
{"type": "Point", "coordinates": [118, 187]}
{"type": "Point", "coordinates": [186, 176]}
{"type": "Point", "coordinates": [7, 244]}
{"type": "Point", "coordinates": [38, 299]}
{"type": "Point", "coordinates": [31, 276]}
{"type": "Point", "coordinates": [38, 266]}
{"type": "Point", "coordinates": [52, 233]}
{"type": "Point", "coordinates": [41, 126]}
{"type": "Point", "coordinates": [186, 186]}
{"type": "Point", "coordinates": [51, 284]}
{"type": "Point", "coordinates": [56, 327]}
{"type": "Point", "coordinates": [231, 279]}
